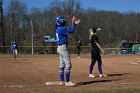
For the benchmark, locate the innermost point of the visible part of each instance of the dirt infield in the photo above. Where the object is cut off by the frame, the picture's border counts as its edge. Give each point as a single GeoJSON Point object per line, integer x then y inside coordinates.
{"type": "Point", "coordinates": [29, 73]}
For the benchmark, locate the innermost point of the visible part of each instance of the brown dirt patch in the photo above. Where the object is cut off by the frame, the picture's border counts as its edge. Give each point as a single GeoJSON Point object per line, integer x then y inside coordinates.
{"type": "Point", "coordinates": [31, 72]}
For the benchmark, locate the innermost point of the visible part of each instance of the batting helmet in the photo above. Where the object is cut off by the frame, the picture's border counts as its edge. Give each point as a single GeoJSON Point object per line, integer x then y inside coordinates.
{"type": "Point", "coordinates": [60, 21]}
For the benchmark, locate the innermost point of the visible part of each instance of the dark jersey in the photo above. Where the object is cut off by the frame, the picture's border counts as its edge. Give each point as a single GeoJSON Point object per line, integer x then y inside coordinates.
{"type": "Point", "coordinates": [79, 45]}
{"type": "Point", "coordinates": [94, 40]}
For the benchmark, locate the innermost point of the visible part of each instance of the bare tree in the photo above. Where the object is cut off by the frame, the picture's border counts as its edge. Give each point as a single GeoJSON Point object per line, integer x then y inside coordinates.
{"type": "Point", "coordinates": [15, 14]}
{"type": "Point", "coordinates": [115, 26]}
{"type": "Point", "coordinates": [2, 27]}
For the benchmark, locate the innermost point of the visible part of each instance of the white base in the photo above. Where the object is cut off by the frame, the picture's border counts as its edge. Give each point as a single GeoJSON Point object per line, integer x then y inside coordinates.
{"type": "Point", "coordinates": [52, 83]}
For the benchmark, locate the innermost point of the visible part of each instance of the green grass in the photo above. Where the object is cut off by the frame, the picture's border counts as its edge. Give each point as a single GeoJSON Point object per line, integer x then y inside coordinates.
{"type": "Point", "coordinates": [100, 91]}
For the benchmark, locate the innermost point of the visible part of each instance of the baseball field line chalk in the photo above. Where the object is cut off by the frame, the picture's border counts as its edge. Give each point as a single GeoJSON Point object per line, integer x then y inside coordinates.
{"type": "Point", "coordinates": [11, 59]}
{"type": "Point", "coordinates": [130, 83]}
{"type": "Point", "coordinates": [14, 86]}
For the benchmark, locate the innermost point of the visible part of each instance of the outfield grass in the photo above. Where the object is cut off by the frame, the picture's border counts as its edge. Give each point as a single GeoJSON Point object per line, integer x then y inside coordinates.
{"type": "Point", "coordinates": [100, 91]}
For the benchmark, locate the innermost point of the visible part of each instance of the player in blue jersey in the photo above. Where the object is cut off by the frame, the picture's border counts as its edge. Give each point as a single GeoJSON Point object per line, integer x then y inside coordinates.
{"type": "Point", "coordinates": [62, 41]}
{"type": "Point", "coordinates": [14, 48]}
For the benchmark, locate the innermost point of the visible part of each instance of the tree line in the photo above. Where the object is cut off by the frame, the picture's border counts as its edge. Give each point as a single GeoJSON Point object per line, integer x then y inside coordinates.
{"type": "Point", "coordinates": [115, 26]}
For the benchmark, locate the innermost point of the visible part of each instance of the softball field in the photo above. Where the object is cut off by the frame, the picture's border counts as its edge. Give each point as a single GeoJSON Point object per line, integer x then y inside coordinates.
{"type": "Point", "coordinates": [29, 73]}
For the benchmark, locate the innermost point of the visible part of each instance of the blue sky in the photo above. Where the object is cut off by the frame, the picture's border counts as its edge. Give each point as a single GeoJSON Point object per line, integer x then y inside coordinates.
{"type": "Point", "coordinates": [109, 5]}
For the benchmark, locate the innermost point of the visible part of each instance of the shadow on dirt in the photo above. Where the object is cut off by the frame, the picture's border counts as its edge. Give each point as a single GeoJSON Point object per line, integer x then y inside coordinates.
{"type": "Point", "coordinates": [103, 81]}
{"type": "Point", "coordinates": [92, 82]}
{"type": "Point", "coordinates": [120, 74]}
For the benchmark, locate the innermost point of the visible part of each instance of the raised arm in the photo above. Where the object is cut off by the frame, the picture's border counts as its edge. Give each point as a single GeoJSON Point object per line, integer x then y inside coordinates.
{"type": "Point", "coordinates": [74, 23]}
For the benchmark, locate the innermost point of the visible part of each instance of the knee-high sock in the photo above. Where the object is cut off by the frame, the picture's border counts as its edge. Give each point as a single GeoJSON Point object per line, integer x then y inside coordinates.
{"type": "Point", "coordinates": [67, 75]}
{"type": "Point", "coordinates": [91, 68]}
{"type": "Point", "coordinates": [100, 68]}
{"type": "Point", "coordinates": [61, 72]}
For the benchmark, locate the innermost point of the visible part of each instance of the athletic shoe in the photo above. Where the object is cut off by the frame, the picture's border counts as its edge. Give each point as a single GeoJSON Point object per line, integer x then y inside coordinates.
{"type": "Point", "coordinates": [70, 84]}
{"type": "Point", "coordinates": [92, 76]}
{"type": "Point", "coordinates": [102, 75]}
{"type": "Point", "coordinates": [61, 83]}
{"type": "Point", "coordinates": [78, 57]}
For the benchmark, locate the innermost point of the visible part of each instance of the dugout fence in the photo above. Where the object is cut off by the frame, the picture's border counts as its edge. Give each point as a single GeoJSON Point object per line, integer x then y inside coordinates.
{"type": "Point", "coordinates": [72, 50]}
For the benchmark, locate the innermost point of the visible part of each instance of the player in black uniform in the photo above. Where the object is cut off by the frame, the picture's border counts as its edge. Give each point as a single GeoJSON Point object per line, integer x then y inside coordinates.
{"type": "Point", "coordinates": [78, 45]}
{"type": "Point", "coordinates": [95, 53]}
